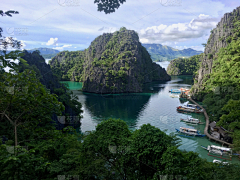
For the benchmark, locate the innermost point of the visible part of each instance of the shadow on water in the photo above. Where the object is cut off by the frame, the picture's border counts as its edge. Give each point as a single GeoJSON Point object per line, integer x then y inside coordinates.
{"type": "Point", "coordinates": [125, 106]}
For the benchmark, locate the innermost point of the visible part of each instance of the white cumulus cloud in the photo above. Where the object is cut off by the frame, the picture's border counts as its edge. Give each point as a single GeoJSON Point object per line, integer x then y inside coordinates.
{"type": "Point", "coordinates": [52, 41]}
{"type": "Point", "coordinates": [179, 32]}
{"type": "Point", "coordinates": [62, 48]}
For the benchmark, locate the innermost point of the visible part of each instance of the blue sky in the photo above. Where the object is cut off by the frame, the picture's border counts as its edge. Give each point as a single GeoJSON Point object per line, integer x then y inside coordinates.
{"type": "Point", "coordinates": [74, 24]}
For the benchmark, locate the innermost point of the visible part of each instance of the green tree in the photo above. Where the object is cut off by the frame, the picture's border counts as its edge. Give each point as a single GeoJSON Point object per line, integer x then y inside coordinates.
{"type": "Point", "coordinates": [24, 100]}
{"type": "Point", "coordinates": [108, 6]}
{"type": "Point", "coordinates": [104, 149]}
{"type": "Point", "coordinates": [7, 42]}
{"type": "Point", "coordinates": [147, 147]}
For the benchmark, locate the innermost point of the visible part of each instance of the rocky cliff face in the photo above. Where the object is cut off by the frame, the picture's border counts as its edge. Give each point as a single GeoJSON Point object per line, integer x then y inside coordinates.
{"type": "Point", "coordinates": [219, 38]}
{"type": "Point", "coordinates": [113, 63]}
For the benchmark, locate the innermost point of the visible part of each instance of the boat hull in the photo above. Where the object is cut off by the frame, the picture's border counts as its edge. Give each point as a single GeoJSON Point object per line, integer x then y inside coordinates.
{"type": "Point", "coordinates": [180, 108]}
{"type": "Point", "coordinates": [218, 153]}
{"type": "Point", "coordinates": [189, 121]}
{"type": "Point", "coordinates": [191, 134]}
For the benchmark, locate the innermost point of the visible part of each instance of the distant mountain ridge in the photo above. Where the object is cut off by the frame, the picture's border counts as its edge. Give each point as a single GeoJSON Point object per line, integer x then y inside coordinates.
{"type": "Point", "coordinates": [159, 52]}
{"type": "Point", "coordinates": [47, 53]}
{"type": "Point", "coordinates": [45, 50]}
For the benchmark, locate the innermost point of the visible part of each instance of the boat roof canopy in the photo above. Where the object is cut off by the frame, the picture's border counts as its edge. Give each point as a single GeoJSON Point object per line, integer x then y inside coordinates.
{"type": "Point", "coordinates": [194, 119]}
{"type": "Point", "coordinates": [221, 148]}
{"type": "Point", "coordinates": [189, 129]}
{"type": "Point", "coordinates": [188, 107]}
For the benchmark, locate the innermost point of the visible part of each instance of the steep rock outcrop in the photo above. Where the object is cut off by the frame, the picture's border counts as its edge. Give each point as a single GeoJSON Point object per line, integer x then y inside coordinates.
{"type": "Point", "coordinates": [113, 63]}
{"type": "Point", "coordinates": [219, 38]}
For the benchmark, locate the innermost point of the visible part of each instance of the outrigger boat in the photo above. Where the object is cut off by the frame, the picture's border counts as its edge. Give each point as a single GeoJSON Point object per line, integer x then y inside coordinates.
{"type": "Point", "coordinates": [217, 150]}
{"type": "Point", "coordinates": [191, 132]}
{"type": "Point", "coordinates": [189, 109]}
{"type": "Point", "coordinates": [192, 106]}
{"type": "Point", "coordinates": [191, 120]}
{"type": "Point", "coordinates": [175, 91]}
{"type": "Point", "coordinates": [219, 162]}
{"type": "Point", "coordinates": [174, 96]}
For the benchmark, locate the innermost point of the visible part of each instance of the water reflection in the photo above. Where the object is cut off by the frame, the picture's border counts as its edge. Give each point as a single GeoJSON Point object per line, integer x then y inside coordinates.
{"type": "Point", "coordinates": [126, 106]}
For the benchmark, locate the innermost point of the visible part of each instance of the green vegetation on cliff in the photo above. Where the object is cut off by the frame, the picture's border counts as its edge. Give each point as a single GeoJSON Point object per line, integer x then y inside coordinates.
{"type": "Point", "coordinates": [217, 82]}
{"type": "Point", "coordinates": [113, 63]}
{"type": "Point", "coordinates": [36, 63]}
{"type": "Point", "coordinates": [72, 62]}
{"type": "Point", "coordinates": [221, 89]}
{"type": "Point", "coordinates": [184, 66]}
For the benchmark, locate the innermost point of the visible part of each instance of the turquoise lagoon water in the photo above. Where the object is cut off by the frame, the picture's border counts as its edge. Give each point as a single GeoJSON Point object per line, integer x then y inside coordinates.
{"type": "Point", "coordinates": [154, 106]}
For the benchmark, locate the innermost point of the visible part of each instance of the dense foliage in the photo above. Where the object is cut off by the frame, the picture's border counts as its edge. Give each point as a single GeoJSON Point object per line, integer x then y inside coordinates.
{"type": "Point", "coordinates": [108, 6]}
{"type": "Point", "coordinates": [109, 152]}
{"type": "Point", "coordinates": [184, 66]}
{"type": "Point", "coordinates": [44, 73]}
{"type": "Point", "coordinates": [73, 61]}
{"type": "Point", "coordinates": [221, 88]}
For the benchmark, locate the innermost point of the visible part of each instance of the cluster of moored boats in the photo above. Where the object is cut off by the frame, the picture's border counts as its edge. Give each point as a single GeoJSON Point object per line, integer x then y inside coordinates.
{"type": "Point", "coordinates": [213, 150]}
{"type": "Point", "coordinates": [188, 131]}
{"type": "Point", "coordinates": [185, 90]}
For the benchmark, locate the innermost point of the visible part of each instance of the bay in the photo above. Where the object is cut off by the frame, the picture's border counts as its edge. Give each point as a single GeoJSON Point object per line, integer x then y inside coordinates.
{"type": "Point", "coordinates": [153, 106]}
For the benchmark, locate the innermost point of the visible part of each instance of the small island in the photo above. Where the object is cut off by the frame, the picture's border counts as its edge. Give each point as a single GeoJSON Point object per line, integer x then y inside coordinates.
{"type": "Point", "coordinates": [113, 63]}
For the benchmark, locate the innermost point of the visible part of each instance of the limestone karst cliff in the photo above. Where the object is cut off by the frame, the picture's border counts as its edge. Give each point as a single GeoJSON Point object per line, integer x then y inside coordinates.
{"type": "Point", "coordinates": [220, 37]}
{"type": "Point", "coordinates": [114, 63]}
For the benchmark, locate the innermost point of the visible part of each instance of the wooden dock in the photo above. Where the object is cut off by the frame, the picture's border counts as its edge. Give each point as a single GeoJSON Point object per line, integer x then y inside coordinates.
{"type": "Point", "coordinates": [207, 125]}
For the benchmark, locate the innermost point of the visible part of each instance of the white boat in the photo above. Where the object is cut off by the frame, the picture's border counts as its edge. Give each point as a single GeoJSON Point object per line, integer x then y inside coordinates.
{"type": "Point", "coordinates": [191, 120]}
{"type": "Point", "coordinates": [191, 132]}
{"type": "Point", "coordinates": [222, 151]}
{"type": "Point", "coordinates": [189, 109]}
{"type": "Point", "coordinates": [175, 91]}
{"type": "Point", "coordinates": [174, 96]}
{"type": "Point", "coordinates": [219, 162]}
{"type": "Point", "coordinates": [219, 150]}
{"type": "Point", "coordinates": [192, 106]}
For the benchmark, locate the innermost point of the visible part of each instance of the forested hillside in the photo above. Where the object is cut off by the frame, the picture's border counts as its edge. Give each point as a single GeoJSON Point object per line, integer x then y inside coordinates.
{"type": "Point", "coordinates": [184, 66]}
{"type": "Point", "coordinates": [44, 73]}
{"type": "Point", "coordinates": [217, 81]}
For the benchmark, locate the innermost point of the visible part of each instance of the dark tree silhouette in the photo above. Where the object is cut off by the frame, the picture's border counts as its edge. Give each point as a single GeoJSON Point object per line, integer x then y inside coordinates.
{"type": "Point", "coordinates": [5, 43]}
{"type": "Point", "coordinates": [108, 6]}
{"type": "Point", "coordinates": [8, 13]}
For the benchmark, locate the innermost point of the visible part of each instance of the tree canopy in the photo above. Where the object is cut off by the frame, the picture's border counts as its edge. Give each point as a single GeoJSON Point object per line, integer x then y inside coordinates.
{"type": "Point", "coordinates": [108, 6]}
